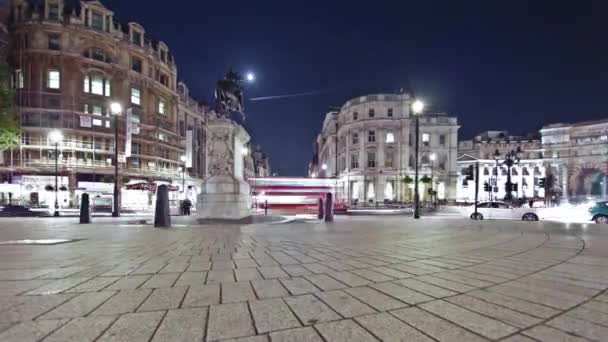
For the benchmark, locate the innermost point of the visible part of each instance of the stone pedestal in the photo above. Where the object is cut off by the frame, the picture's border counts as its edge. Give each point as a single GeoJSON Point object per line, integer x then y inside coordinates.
{"type": "Point", "coordinates": [225, 194]}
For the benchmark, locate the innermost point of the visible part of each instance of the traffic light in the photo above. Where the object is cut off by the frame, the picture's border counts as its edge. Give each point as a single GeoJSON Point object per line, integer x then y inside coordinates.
{"type": "Point", "coordinates": [486, 187]}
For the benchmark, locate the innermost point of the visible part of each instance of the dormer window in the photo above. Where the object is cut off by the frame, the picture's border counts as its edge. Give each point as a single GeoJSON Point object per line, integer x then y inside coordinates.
{"type": "Point", "coordinates": [53, 13]}
{"type": "Point", "coordinates": [136, 38]}
{"type": "Point", "coordinates": [97, 21]}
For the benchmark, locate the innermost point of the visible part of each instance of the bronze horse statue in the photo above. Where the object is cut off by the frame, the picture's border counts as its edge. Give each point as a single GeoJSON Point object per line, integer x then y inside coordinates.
{"type": "Point", "coordinates": [229, 95]}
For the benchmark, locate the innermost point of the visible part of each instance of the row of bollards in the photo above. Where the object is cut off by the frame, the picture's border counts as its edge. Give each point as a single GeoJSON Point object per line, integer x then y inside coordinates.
{"type": "Point", "coordinates": [162, 218]}
{"type": "Point", "coordinates": [326, 208]}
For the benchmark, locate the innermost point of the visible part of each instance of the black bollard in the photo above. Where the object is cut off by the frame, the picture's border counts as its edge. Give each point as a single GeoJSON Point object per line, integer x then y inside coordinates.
{"type": "Point", "coordinates": [161, 214]}
{"type": "Point", "coordinates": [329, 213]}
{"type": "Point", "coordinates": [266, 208]}
{"type": "Point", "coordinates": [85, 209]}
{"type": "Point", "coordinates": [321, 213]}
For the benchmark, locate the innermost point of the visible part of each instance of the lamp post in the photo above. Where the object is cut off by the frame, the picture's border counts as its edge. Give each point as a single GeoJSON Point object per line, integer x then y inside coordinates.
{"type": "Point", "coordinates": [56, 137]}
{"type": "Point", "coordinates": [417, 108]}
{"type": "Point", "coordinates": [183, 159]}
{"type": "Point", "coordinates": [511, 158]}
{"type": "Point", "coordinates": [432, 157]}
{"type": "Point", "coordinates": [116, 110]}
{"type": "Point", "coordinates": [324, 168]}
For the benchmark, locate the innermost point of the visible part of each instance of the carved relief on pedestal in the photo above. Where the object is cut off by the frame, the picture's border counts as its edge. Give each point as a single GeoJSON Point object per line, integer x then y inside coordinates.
{"type": "Point", "coordinates": [221, 152]}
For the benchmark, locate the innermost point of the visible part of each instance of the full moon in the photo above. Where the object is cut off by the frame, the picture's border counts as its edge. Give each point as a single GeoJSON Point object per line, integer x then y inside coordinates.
{"type": "Point", "coordinates": [250, 77]}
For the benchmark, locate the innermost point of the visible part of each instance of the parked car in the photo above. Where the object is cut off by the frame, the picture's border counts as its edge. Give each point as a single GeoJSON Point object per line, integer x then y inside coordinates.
{"type": "Point", "coordinates": [599, 212]}
{"type": "Point", "coordinates": [500, 211]}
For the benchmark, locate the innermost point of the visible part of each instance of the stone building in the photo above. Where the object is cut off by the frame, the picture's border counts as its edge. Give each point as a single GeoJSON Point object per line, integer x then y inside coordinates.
{"type": "Point", "coordinates": [368, 145]}
{"type": "Point", "coordinates": [69, 64]}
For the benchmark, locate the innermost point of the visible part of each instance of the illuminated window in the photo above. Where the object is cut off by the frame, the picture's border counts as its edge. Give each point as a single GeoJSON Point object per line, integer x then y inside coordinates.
{"type": "Point", "coordinates": [97, 122]}
{"type": "Point", "coordinates": [53, 79]}
{"type": "Point", "coordinates": [19, 79]}
{"type": "Point", "coordinates": [390, 137]}
{"type": "Point", "coordinates": [162, 137]}
{"type": "Point", "coordinates": [97, 85]}
{"type": "Point", "coordinates": [162, 106]}
{"type": "Point", "coordinates": [426, 139]}
{"type": "Point", "coordinates": [135, 96]}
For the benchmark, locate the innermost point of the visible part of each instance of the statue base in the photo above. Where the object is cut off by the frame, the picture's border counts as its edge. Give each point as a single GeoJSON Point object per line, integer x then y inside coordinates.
{"type": "Point", "coordinates": [224, 198]}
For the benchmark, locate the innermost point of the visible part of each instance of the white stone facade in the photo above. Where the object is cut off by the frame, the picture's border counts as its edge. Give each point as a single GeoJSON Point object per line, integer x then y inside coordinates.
{"type": "Point", "coordinates": [375, 150]}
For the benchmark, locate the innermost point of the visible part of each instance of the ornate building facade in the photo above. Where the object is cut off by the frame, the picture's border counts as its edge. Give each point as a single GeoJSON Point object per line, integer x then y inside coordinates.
{"type": "Point", "coordinates": [69, 64]}
{"type": "Point", "coordinates": [368, 146]}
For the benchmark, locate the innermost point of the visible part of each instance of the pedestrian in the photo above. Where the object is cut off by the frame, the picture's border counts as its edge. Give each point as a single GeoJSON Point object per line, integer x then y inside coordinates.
{"type": "Point", "coordinates": [187, 205]}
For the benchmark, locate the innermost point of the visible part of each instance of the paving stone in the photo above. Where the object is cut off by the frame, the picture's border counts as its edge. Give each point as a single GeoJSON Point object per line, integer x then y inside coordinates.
{"type": "Point", "coordinates": [298, 286]}
{"type": "Point", "coordinates": [447, 284]}
{"type": "Point", "coordinates": [389, 328]}
{"type": "Point", "coordinates": [31, 331]}
{"type": "Point", "coordinates": [199, 267]}
{"type": "Point", "coordinates": [237, 292]}
{"type": "Point", "coordinates": [375, 299]}
{"type": "Point", "coordinates": [121, 270]}
{"type": "Point", "coordinates": [80, 305]}
{"type": "Point", "coordinates": [175, 267]}
{"type": "Point", "coordinates": [272, 272]}
{"type": "Point", "coordinates": [247, 274]}
{"type": "Point", "coordinates": [545, 333]}
{"type": "Point", "coordinates": [532, 309]}
{"type": "Point", "coordinates": [310, 310]}
{"type": "Point", "coordinates": [372, 275]}
{"type": "Point", "coordinates": [133, 327]}
{"type": "Point", "coordinates": [191, 279]}
{"type": "Point", "coordinates": [34, 308]}
{"type": "Point", "coordinates": [149, 268]}
{"type": "Point", "coordinates": [296, 270]}
{"type": "Point", "coordinates": [160, 280]}
{"type": "Point", "coordinates": [271, 315]}
{"type": "Point", "coordinates": [203, 295]}
{"type": "Point", "coordinates": [579, 327]}
{"type": "Point", "coordinates": [129, 282]}
{"type": "Point", "coordinates": [183, 325]}
{"type": "Point", "coordinates": [259, 338]}
{"type": "Point", "coordinates": [518, 338]}
{"type": "Point", "coordinates": [392, 272]}
{"type": "Point", "coordinates": [484, 326]}
{"type": "Point", "coordinates": [11, 288]}
{"type": "Point", "coordinates": [217, 276]}
{"type": "Point", "coordinates": [325, 282]}
{"type": "Point", "coordinates": [306, 334]}
{"type": "Point", "coordinates": [93, 285]}
{"type": "Point", "coordinates": [498, 312]}
{"type": "Point", "coordinates": [222, 265]}
{"type": "Point", "coordinates": [266, 289]}
{"type": "Point", "coordinates": [344, 331]}
{"type": "Point", "coordinates": [58, 286]}
{"type": "Point", "coordinates": [245, 263]}
{"type": "Point", "coordinates": [82, 329]}
{"type": "Point", "coordinates": [434, 326]}
{"type": "Point", "coordinates": [345, 304]}
{"type": "Point", "coordinates": [123, 302]}
{"type": "Point", "coordinates": [317, 268]}
{"type": "Point", "coordinates": [425, 288]}
{"type": "Point", "coordinates": [229, 321]}
{"type": "Point", "coordinates": [349, 278]}
{"type": "Point", "coordinates": [164, 299]}
{"type": "Point", "coordinates": [402, 293]}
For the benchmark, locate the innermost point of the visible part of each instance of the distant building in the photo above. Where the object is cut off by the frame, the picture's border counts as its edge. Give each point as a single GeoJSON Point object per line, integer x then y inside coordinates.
{"type": "Point", "coordinates": [368, 145]}
{"type": "Point", "coordinates": [69, 63]}
{"type": "Point", "coordinates": [257, 163]}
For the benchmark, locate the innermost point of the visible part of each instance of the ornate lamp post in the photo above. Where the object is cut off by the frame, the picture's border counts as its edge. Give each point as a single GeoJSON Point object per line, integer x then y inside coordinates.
{"type": "Point", "coordinates": [511, 158]}
{"type": "Point", "coordinates": [116, 110]}
{"type": "Point", "coordinates": [417, 108]}
{"type": "Point", "coordinates": [56, 137]}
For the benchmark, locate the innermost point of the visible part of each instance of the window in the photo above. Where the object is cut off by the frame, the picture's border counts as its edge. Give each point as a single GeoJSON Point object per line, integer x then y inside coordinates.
{"type": "Point", "coordinates": [97, 110]}
{"type": "Point", "coordinates": [53, 80]}
{"type": "Point", "coordinates": [442, 140]}
{"type": "Point", "coordinates": [389, 113]}
{"type": "Point", "coordinates": [163, 56]}
{"type": "Point", "coordinates": [426, 139]}
{"type": "Point", "coordinates": [98, 55]}
{"type": "Point", "coordinates": [355, 138]}
{"type": "Point", "coordinates": [136, 64]}
{"type": "Point", "coordinates": [389, 157]}
{"type": "Point", "coordinates": [162, 106]}
{"type": "Point", "coordinates": [53, 12]}
{"type": "Point", "coordinates": [162, 137]}
{"type": "Point", "coordinates": [136, 38]}
{"type": "Point", "coordinates": [164, 80]}
{"type": "Point", "coordinates": [135, 96]}
{"type": "Point", "coordinates": [371, 159]}
{"type": "Point", "coordinates": [97, 21]}
{"type": "Point", "coordinates": [54, 41]}
{"type": "Point", "coordinates": [97, 85]}
{"type": "Point", "coordinates": [371, 136]}
{"type": "Point", "coordinates": [97, 122]}
{"type": "Point", "coordinates": [372, 113]}
{"type": "Point", "coordinates": [354, 161]}
{"type": "Point", "coordinates": [19, 79]}
{"type": "Point", "coordinates": [390, 137]}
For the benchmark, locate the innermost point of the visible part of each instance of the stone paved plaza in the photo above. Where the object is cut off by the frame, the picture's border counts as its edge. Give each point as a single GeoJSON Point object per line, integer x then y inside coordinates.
{"type": "Point", "coordinates": [358, 279]}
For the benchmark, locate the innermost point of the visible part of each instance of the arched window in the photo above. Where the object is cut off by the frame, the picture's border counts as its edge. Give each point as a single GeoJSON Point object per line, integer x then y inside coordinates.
{"type": "Point", "coordinates": [97, 84]}
{"type": "Point", "coordinates": [97, 54]}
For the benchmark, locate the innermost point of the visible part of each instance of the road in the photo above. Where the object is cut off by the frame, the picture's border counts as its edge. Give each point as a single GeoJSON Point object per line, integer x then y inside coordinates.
{"type": "Point", "coordinates": [357, 279]}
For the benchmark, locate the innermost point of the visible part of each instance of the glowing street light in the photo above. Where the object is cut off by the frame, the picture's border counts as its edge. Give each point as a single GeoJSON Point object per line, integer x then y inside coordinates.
{"type": "Point", "coordinates": [56, 137]}
{"type": "Point", "coordinates": [116, 110]}
{"type": "Point", "coordinates": [245, 151]}
{"type": "Point", "coordinates": [250, 77]}
{"type": "Point", "coordinates": [417, 108]}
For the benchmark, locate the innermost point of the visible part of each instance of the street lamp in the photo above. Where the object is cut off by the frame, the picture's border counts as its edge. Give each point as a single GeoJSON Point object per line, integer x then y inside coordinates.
{"type": "Point", "coordinates": [511, 158]}
{"type": "Point", "coordinates": [116, 110]}
{"type": "Point", "coordinates": [250, 77]}
{"type": "Point", "coordinates": [324, 168]}
{"type": "Point", "coordinates": [417, 108]}
{"type": "Point", "coordinates": [56, 137]}
{"type": "Point", "coordinates": [432, 157]}
{"type": "Point", "coordinates": [183, 159]}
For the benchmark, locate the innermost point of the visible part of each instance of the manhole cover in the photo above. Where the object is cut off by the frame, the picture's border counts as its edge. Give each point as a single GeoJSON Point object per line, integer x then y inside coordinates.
{"type": "Point", "coordinates": [38, 242]}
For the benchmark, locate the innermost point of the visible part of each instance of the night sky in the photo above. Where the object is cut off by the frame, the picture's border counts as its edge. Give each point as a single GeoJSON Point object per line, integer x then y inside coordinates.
{"type": "Point", "coordinates": [495, 64]}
